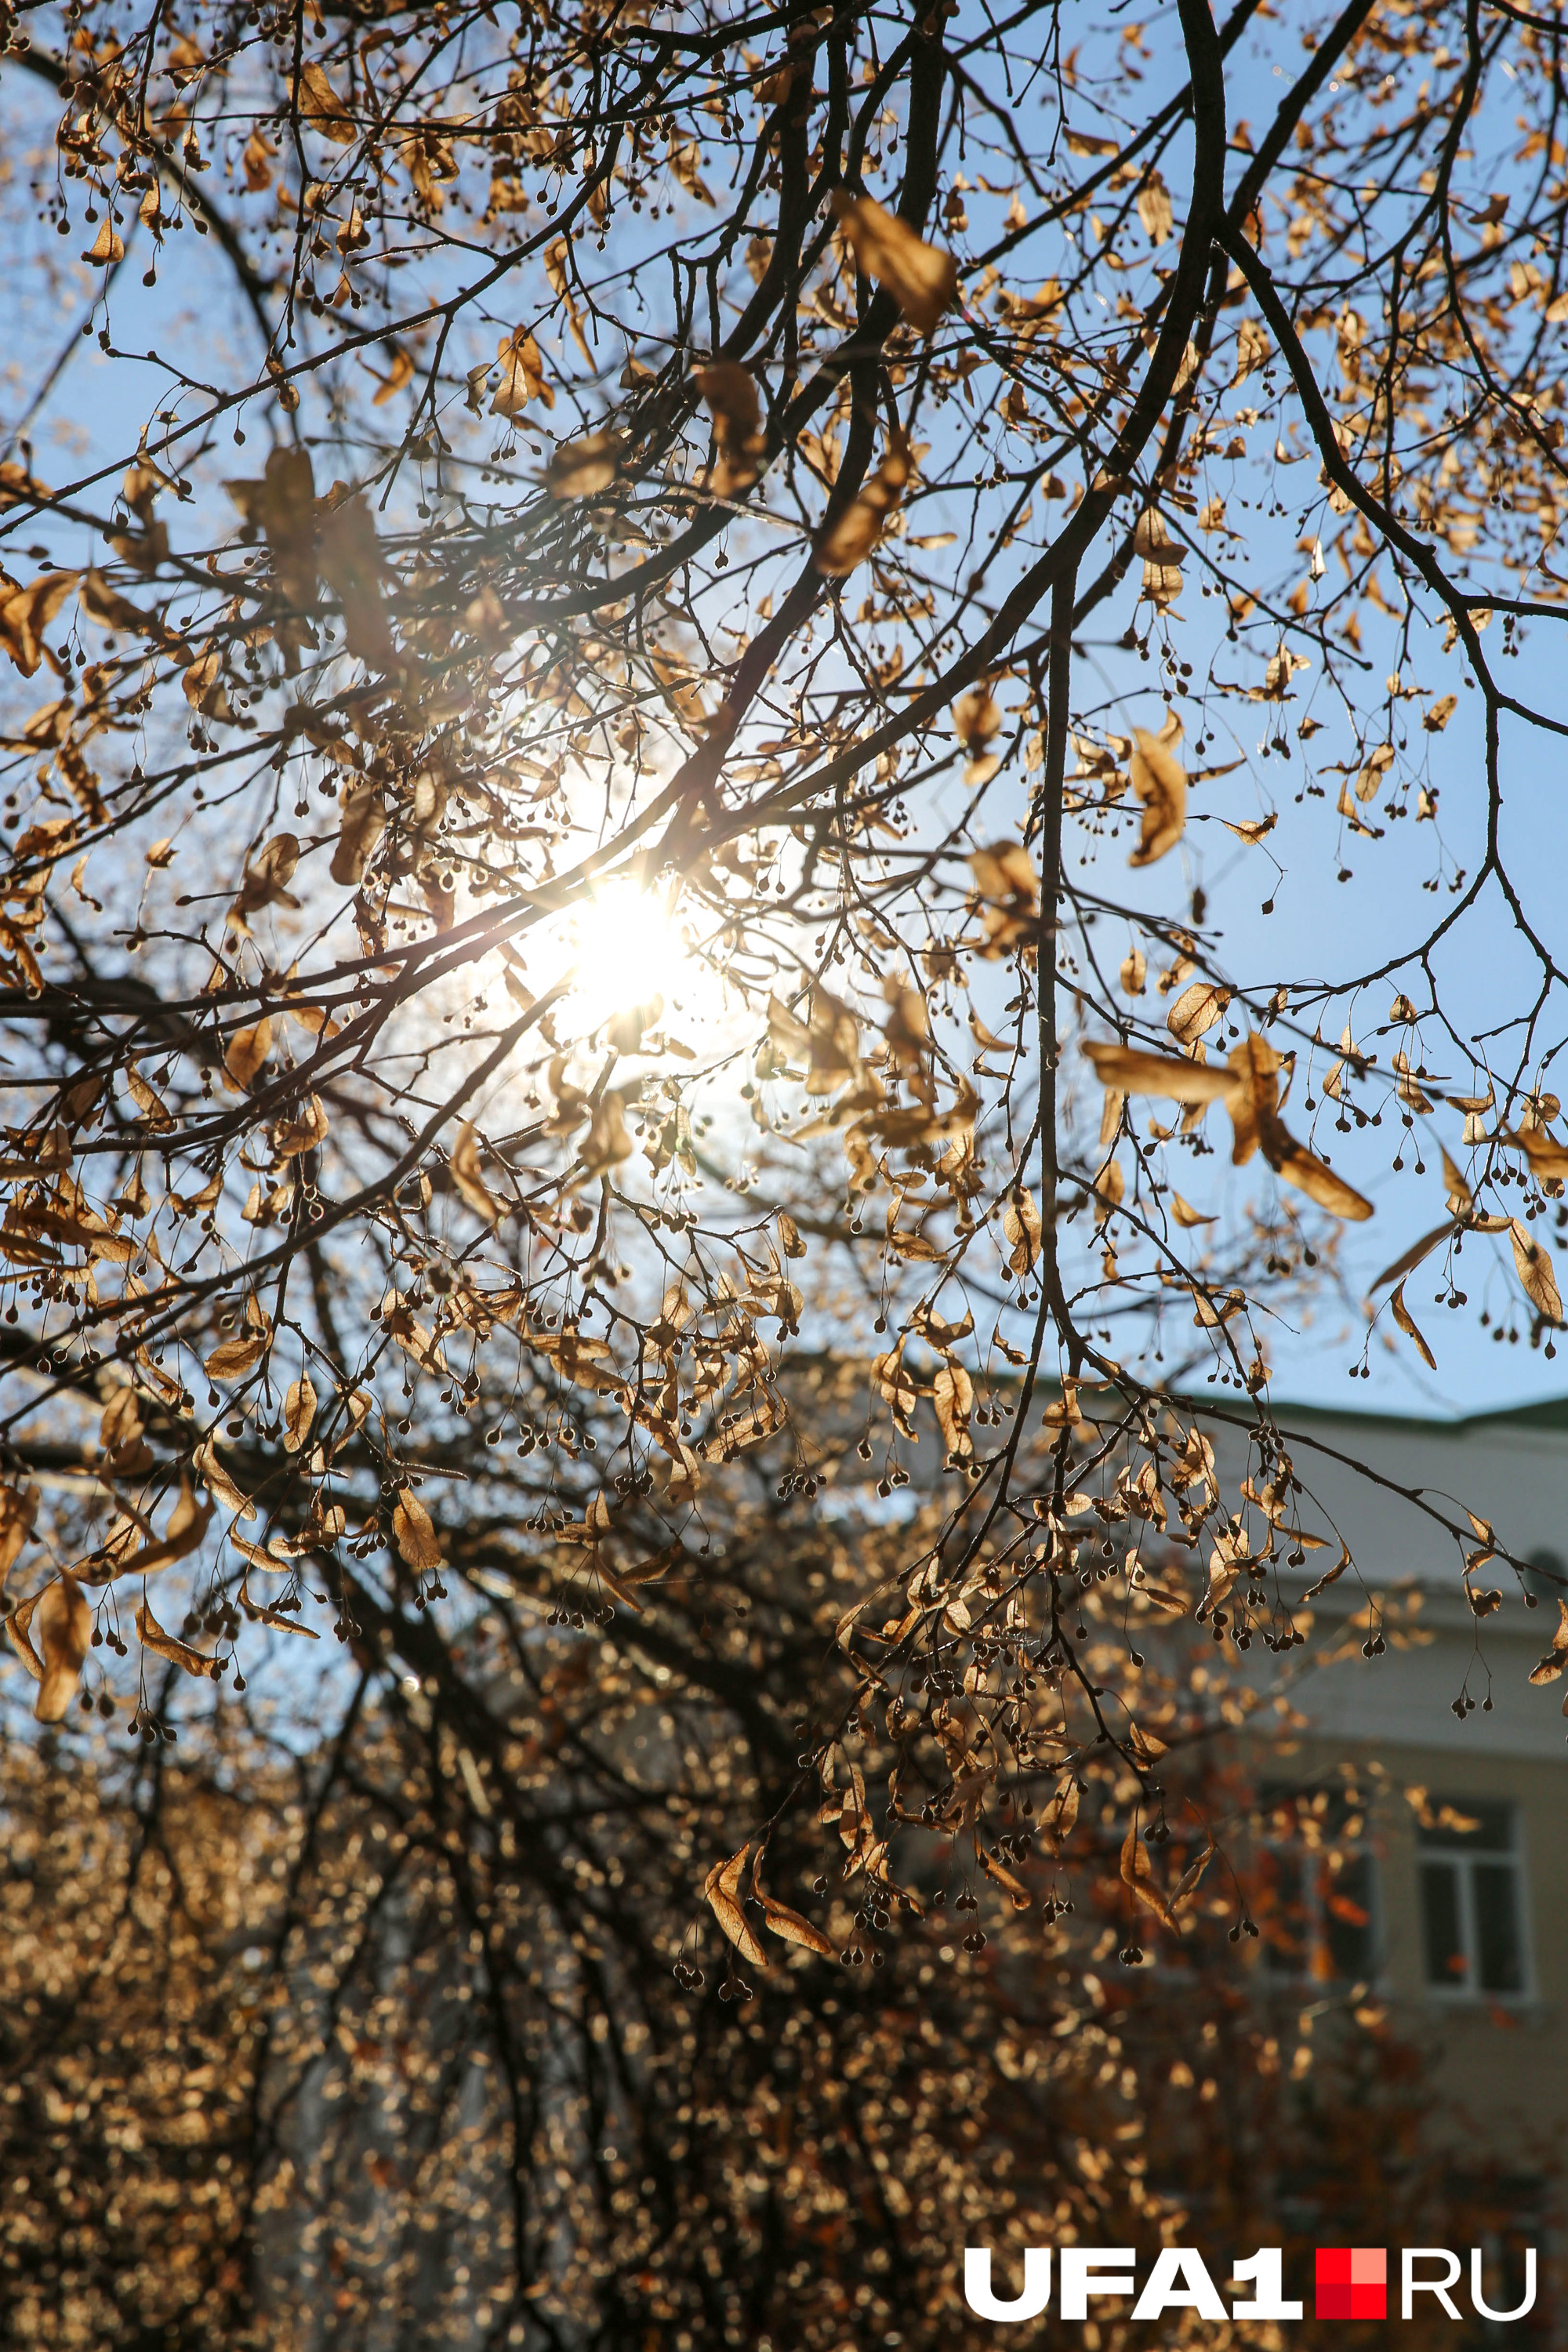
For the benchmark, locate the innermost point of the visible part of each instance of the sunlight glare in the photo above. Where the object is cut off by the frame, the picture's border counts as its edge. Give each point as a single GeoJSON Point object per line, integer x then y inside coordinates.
{"type": "Point", "coordinates": [629, 947]}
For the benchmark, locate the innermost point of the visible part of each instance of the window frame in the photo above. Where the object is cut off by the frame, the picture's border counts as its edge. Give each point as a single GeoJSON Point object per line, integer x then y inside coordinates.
{"type": "Point", "coordinates": [1463, 1860]}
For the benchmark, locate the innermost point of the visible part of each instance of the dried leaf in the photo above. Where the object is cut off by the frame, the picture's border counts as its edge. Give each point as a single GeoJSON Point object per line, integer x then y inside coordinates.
{"type": "Point", "coordinates": [464, 1164]}
{"type": "Point", "coordinates": [266, 878]}
{"type": "Point", "coordinates": [65, 1629]}
{"type": "Point", "coordinates": [1138, 1073]}
{"type": "Point", "coordinates": [952, 1395]}
{"type": "Point", "coordinates": [522, 374]}
{"type": "Point", "coordinates": [303, 1133]}
{"type": "Point", "coordinates": [206, 1461]}
{"type": "Point", "coordinates": [1196, 1010]}
{"type": "Point", "coordinates": [977, 716]}
{"type": "Point", "coordinates": [1154, 209]}
{"type": "Point", "coordinates": [25, 613]}
{"type": "Point", "coordinates": [1415, 1254]}
{"type": "Point", "coordinates": [920, 277]}
{"type": "Point", "coordinates": [247, 1051]}
{"type": "Point", "coordinates": [1556, 1658]}
{"type": "Point", "coordinates": [299, 1412]}
{"type": "Point", "coordinates": [1406, 1323]}
{"type": "Point", "coordinates": [843, 543]}
{"type": "Point", "coordinates": [730, 392]}
{"type": "Point", "coordinates": [722, 1889]}
{"type": "Point", "coordinates": [1535, 1272]}
{"type": "Point", "coordinates": [107, 247]}
{"type": "Point", "coordinates": [586, 469]}
{"type": "Point", "coordinates": [1185, 1214]}
{"type": "Point", "coordinates": [363, 823]}
{"type": "Point", "coordinates": [1312, 1176]}
{"type": "Point", "coordinates": [1159, 782]}
{"type": "Point", "coordinates": [232, 1359]}
{"type": "Point", "coordinates": [321, 107]}
{"type": "Point", "coordinates": [165, 1645]}
{"type": "Point", "coordinates": [1060, 1815]}
{"type": "Point", "coordinates": [1021, 1227]}
{"type": "Point", "coordinates": [1138, 1874]}
{"type": "Point", "coordinates": [607, 1142]}
{"type": "Point", "coordinates": [18, 1510]}
{"type": "Point", "coordinates": [352, 565]}
{"type": "Point", "coordinates": [414, 1532]}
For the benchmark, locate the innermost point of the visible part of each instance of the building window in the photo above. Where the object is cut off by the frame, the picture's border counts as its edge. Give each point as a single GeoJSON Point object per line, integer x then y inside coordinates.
{"type": "Point", "coordinates": [1315, 1898]}
{"type": "Point", "coordinates": [1471, 1909]}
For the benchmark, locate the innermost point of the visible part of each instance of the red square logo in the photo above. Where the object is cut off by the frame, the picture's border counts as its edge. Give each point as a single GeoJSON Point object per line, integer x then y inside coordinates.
{"type": "Point", "coordinates": [1353, 2283]}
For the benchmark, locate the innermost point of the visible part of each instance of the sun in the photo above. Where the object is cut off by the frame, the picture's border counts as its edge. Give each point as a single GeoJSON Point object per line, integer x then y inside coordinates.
{"type": "Point", "coordinates": [629, 947]}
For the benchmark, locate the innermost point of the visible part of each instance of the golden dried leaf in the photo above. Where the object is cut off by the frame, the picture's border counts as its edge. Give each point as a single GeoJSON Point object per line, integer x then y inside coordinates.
{"type": "Point", "coordinates": [1058, 1818]}
{"type": "Point", "coordinates": [1154, 209]}
{"type": "Point", "coordinates": [1460, 1196]}
{"type": "Point", "coordinates": [586, 469]}
{"type": "Point", "coordinates": [1535, 1272]}
{"type": "Point", "coordinates": [1312, 1176]}
{"type": "Point", "coordinates": [414, 1532]}
{"type": "Point", "coordinates": [843, 543]}
{"type": "Point", "coordinates": [291, 1136]}
{"type": "Point", "coordinates": [1138, 1073]}
{"type": "Point", "coordinates": [1413, 1256]}
{"type": "Point", "coordinates": [266, 878]}
{"type": "Point", "coordinates": [607, 1142]}
{"type": "Point", "coordinates": [1138, 1874]}
{"type": "Point", "coordinates": [1197, 1009]}
{"type": "Point", "coordinates": [1159, 782]}
{"type": "Point", "coordinates": [123, 1555]}
{"type": "Point", "coordinates": [1406, 1323]}
{"type": "Point", "coordinates": [299, 1412]}
{"type": "Point", "coordinates": [722, 1889]}
{"type": "Point", "coordinates": [977, 716]}
{"type": "Point", "coordinates": [65, 1629]}
{"type": "Point", "coordinates": [165, 1645]}
{"type": "Point", "coordinates": [731, 393]}
{"type": "Point", "coordinates": [1556, 1658]}
{"type": "Point", "coordinates": [1109, 1187]}
{"type": "Point", "coordinates": [1185, 1214]}
{"type": "Point", "coordinates": [206, 1461]}
{"type": "Point", "coordinates": [1252, 830]}
{"type": "Point", "coordinates": [789, 1925]}
{"type": "Point", "coordinates": [25, 613]}
{"type": "Point", "coordinates": [18, 1510]}
{"type": "Point", "coordinates": [363, 823]}
{"type": "Point", "coordinates": [1252, 349]}
{"type": "Point", "coordinates": [352, 564]}
{"type": "Point", "coordinates": [1021, 1227]}
{"type": "Point", "coordinates": [321, 107]}
{"type": "Point", "coordinates": [465, 1166]}
{"type": "Point", "coordinates": [920, 277]}
{"type": "Point", "coordinates": [1133, 972]}
{"type": "Point", "coordinates": [952, 1395]}
{"type": "Point", "coordinates": [232, 1359]}
{"type": "Point", "coordinates": [790, 1241]}
{"type": "Point", "coordinates": [107, 247]}
{"type": "Point", "coordinates": [522, 374]}
{"type": "Point", "coordinates": [247, 1051]}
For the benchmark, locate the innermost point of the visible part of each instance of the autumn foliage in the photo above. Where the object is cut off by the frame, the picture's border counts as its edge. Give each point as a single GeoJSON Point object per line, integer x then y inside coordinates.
{"type": "Point", "coordinates": [642, 755]}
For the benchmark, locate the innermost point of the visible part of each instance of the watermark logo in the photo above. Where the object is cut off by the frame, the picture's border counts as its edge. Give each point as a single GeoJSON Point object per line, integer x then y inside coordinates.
{"type": "Point", "coordinates": [1351, 2282]}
